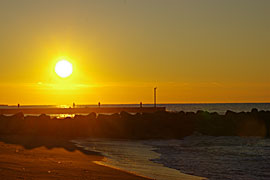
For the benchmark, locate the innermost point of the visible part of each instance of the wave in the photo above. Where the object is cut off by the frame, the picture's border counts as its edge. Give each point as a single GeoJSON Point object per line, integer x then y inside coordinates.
{"type": "Point", "coordinates": [133, 157]}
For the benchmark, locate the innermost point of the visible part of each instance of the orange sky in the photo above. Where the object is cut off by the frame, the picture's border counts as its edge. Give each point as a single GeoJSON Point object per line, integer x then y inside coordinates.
{"type": "Point", "coordinates": [193, 51]}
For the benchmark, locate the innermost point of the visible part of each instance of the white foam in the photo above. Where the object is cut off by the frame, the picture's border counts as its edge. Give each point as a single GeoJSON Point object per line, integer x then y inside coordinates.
{"type": "Point", "coordinates": [134, 157]}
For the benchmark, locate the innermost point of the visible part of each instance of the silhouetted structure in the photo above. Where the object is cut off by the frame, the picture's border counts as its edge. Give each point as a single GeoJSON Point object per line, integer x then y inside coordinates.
{"type": "Point", "coordinates": [81, 110]}
{"type": "Point", "coordinates": [140, 104]}
{"type": "Point", "coordinates": [98, 104]}
{"type": "Point", "coordinates": [74, 105]}
{"type": "Point", "coordinates": [155, 97]}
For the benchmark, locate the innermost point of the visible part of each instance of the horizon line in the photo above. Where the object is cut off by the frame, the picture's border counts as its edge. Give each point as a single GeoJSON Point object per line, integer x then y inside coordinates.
{"type": "Point", "coordinates": [178, 103]}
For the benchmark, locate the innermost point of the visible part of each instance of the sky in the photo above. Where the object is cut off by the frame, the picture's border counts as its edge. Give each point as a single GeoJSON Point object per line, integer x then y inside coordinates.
{"type": "Point", "coordinates": [194, 51]}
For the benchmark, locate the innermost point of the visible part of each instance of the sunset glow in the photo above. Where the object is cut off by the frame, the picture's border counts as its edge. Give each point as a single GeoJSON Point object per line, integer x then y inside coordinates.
{"type": "Point", "coordinates": [117, 52]}
{"type": "Point", "coordinates": [126, 77]}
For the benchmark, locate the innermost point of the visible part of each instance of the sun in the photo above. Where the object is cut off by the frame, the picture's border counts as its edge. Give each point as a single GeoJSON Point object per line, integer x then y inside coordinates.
{"type": "Point", "coordinates": [63, 68]}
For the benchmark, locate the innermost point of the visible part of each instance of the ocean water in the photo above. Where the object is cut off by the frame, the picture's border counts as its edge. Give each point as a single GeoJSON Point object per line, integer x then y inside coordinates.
{"type": "Point", "coordinates": [134, 157]}
{"type": "Point", "coordinates": [220, 108]}
{"type": "Point", "coordinates": [194, 157]}
{"type": "Point", "coordinates": [217, 158]}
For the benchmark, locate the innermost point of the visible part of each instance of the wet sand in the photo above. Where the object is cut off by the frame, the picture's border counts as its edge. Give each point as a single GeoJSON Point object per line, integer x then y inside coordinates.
{"type": "Point", "coordinates": [20, 158]}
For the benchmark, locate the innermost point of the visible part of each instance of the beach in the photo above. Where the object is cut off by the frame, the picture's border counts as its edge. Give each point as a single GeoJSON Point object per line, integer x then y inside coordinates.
{"type": "Point", "coordinates": [52, 158]}
{"type": "Point", "coordinates": [162, 145]}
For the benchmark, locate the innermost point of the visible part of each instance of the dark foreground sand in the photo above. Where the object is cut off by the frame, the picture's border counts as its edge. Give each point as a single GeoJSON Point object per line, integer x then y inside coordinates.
{"type": "Point", "coordinates": [49, 158]}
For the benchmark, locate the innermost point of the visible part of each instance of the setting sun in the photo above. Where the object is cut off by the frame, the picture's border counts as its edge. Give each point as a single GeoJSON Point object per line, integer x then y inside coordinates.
{"type": "Point", "coordinates": [163, 84]}
{"type": "Point", "coordinates": [63, 68]}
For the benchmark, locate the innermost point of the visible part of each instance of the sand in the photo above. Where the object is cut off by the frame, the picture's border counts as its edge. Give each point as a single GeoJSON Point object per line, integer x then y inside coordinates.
{"type": "Point", "coordinates": [50, 158]}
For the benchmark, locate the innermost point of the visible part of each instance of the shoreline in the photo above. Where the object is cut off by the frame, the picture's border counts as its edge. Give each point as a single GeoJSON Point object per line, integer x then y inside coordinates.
{"type": "Point", "coordinates": [134, 157]}
{"type": "Point", "coordinates": [99, 163]}
{"type": "Point", "coordinates": [19, 160]}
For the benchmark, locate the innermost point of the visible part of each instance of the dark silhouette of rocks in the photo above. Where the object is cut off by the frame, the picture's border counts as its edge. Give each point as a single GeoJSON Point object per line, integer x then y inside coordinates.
{"type": "Point", "coordinates": [160, 124]}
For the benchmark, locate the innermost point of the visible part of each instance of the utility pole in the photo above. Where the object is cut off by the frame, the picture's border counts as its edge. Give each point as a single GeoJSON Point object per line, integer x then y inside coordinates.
{"type": "Point", "coordinates": [155, 97]}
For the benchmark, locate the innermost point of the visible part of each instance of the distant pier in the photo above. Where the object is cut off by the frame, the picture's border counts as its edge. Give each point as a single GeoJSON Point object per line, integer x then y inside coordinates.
{"type": "Point", "coordinates": [82, 110]}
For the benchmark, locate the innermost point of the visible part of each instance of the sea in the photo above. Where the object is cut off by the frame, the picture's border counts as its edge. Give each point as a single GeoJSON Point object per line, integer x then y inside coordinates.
{"type": "Point", "coordinates": [220, 108]}
{"type": "Point", "coordinates": [191, 158]}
